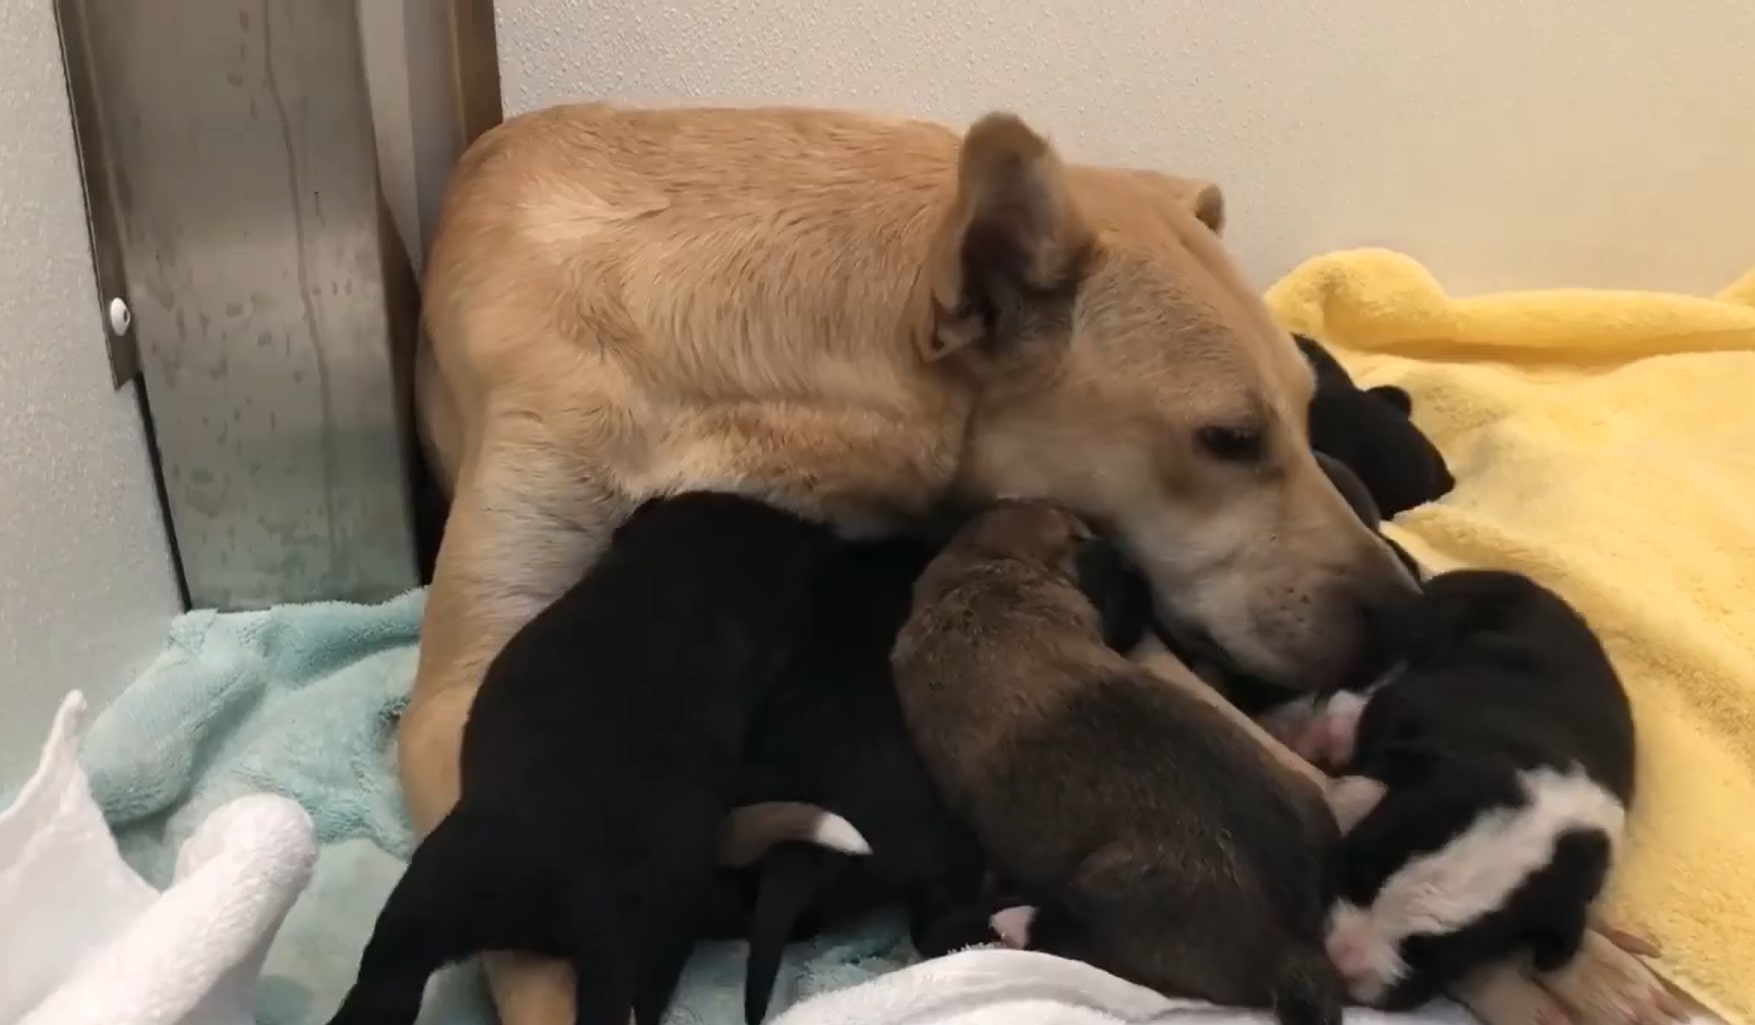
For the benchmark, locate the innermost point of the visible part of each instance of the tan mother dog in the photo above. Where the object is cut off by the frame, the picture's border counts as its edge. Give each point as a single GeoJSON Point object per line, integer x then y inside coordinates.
{"type": "Point", "coordinates": [856, 318]}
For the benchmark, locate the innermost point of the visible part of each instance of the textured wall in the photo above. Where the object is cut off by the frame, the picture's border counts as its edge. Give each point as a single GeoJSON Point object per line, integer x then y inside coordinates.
{"type": "Point", "coordinates": [1504, 142]}
{"type": "Point", "coordinates": [86, 584]}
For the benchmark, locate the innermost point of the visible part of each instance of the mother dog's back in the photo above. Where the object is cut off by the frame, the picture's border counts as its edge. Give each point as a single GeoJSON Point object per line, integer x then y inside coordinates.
{"type": "Point", "coordinates": [708, 234]}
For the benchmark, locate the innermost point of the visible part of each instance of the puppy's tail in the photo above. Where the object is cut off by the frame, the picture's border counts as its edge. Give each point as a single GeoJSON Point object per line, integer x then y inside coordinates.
{"type": "Point", "coordinates": [751, 830]}
{"type": "Point", "coordinates": [791, 875]}
{"type": "Point", "coordinates": [603, 975]}
{"type": "Point", "coordinates": [1307, 990]}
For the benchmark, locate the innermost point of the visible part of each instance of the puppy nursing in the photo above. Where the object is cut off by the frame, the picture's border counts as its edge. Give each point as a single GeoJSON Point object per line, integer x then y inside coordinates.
{"type": "Point", "coordinates": [831, 734]}
{"type": "Point", "coordinates": [596, 764]}
{"type": "Point", "coordinates": [1484, 789]}
{"type": "Point", "coordinates": [1152, 835]}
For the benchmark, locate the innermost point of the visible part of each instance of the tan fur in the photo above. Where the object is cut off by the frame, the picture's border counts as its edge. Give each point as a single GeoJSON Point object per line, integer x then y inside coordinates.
{"type": "Point", "coordinates": [857, 318]}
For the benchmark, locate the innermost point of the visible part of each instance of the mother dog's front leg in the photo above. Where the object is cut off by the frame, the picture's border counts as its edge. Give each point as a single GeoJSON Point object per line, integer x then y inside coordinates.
{"type": "Point", "coordinates": [525, 522]}
{"type": "Point", "coordinates": [1606, 984]}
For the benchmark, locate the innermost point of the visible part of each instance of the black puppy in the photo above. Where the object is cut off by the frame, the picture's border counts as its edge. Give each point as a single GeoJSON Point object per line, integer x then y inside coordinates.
{"type": "Point", "coordinates": [1484, 792]}
{"type": "Point", "coordinates": [1370, 430]}
{"type": "Point", "coordinates": [597, 764]}
{"type": "Point", "coordinates": [831, 734]}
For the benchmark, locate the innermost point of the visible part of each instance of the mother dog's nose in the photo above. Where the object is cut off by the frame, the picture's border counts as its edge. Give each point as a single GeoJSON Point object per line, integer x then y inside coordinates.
{"type": "Point", "coordinates": [1386, 607]}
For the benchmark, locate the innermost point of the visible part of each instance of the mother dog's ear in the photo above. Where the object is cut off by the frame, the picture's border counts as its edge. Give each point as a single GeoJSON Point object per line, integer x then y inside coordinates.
{"type": "Point", "coordinates": [1207, 204]}
{"type": "Point", "coordinates": [1013, 241]}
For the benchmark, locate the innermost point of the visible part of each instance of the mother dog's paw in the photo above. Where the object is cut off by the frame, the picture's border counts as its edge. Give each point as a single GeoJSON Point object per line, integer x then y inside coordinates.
{"type": "Point", "coordinates": [1607, 985]}
{"type": "Point", "coordinates": [1501, 994]}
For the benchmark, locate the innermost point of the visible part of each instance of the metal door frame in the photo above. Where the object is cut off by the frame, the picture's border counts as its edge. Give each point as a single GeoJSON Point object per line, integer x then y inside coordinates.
{"type": "Point", "coordinates": [474, 105]}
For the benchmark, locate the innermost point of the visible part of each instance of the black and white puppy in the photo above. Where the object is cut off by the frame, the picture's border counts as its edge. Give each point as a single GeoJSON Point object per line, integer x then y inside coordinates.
{"type": "Point", "coordinates": [1372, 432]}
{"type": "Point", "coordinates": [1484, 791]}
{"type": "Point", "coordinates": [598, 764]}
{"type": "Point", "coordinates": [831, 734]}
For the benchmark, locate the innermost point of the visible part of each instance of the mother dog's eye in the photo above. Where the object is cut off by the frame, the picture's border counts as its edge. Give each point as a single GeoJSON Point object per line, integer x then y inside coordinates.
{"type": "Point", "coordinates": [1231, 444]}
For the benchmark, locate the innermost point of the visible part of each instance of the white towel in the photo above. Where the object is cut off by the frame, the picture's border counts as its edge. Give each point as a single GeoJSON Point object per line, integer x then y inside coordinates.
{"type": "Point", "coordinates": [997, 986]}
{"type": "Point", "coordinates": [88, 942]}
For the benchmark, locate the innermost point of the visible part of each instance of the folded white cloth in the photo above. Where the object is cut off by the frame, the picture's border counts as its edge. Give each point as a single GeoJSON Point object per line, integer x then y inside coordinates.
{"type": "Point", "coordinates": [997, 986]}
{"type": "Point", "coordinates": [86, 941]}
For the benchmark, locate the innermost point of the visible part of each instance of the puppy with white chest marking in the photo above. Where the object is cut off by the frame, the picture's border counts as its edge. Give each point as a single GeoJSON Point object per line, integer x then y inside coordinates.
{"type": "Point", "coordinates": [1484, 791]}
{"type": "Point", "coordinates": [590, 817]}
{"type": "Point", "coordinates": [1154, 837]}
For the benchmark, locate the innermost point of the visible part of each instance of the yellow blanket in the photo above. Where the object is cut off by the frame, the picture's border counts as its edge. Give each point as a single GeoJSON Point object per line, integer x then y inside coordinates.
{"type": "Point", "coordinates": [1604, 443]}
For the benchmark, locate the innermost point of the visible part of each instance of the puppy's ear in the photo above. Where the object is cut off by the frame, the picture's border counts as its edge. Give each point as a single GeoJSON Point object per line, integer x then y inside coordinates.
{"type": "Point", "coordinates": [1120, 595]}
{"type": "Point", "coordinates": [1352, 489]}
{"type": "Point", "coordinates": [1397, 397]}
{"type": "Point", "coordinates": [1012, 243]}
{"type": "Point", "coordinates": [1332, 379]}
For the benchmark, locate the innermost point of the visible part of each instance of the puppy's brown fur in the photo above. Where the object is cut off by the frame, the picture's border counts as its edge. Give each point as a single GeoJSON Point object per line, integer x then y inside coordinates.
{"type": "Point", "coordinates": [1159, 841]}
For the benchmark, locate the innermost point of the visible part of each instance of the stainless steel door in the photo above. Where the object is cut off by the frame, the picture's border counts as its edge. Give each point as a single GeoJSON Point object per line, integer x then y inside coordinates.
{"type": "Point", "coordinates": [272, 310]}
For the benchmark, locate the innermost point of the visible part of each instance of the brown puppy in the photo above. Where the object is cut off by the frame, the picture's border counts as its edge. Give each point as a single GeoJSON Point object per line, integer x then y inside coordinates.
{"type": "Point", "coordinates": [1156, 839]}
{"type": "Point", "coordinates": [855, 318]}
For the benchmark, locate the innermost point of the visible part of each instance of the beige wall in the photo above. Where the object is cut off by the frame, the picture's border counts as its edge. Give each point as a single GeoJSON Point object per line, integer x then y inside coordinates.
{"type": "Point", "coordinates": [1506, 143]}
{"type": "Point", "coordinates": [86, 584]}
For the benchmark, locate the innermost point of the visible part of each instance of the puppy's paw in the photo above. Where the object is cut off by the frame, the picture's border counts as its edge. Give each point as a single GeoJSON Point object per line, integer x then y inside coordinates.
{"type": "Point", "coordinates": [1012, 925]}
{"type": "Point", "coordinates": [1339, 730]}
{"type": "Point", "coordinates": [1606, 985]}
{"type": "Point", "coordinates": [957, 930]}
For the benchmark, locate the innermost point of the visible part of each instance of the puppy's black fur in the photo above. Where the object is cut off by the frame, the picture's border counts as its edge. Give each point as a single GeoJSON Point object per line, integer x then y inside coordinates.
{"type": "Point", "coordinates": [1358, 496]}
{"type": "Point", "coordinates": [831, 734]}
{"type": "Point", "coordinates": [1370, 430]}
{"type": "Point", "coordinates": [1503, 678]}
{"type": "Point", "coordinates": [1119, 593]}
{"type": "Point", "coordinates": [597, 764]}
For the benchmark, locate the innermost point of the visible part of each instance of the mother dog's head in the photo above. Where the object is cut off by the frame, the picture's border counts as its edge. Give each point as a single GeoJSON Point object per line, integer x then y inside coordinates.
{"type": "Point", "coordinates": [1122, 367]}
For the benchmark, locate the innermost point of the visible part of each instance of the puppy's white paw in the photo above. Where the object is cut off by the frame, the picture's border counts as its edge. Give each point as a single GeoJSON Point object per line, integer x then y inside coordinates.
{"type": "Point", "coordinates": [1340, 730]}
{"type": "Point", "coordinates": [1012, 925]}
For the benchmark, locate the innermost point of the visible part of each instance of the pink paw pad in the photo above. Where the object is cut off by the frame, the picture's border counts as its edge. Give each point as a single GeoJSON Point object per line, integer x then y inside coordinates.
{"type": "Point", "coordinates": [1340, 729]}
{"type": "Point", "coordinates": [1346, 952]}
{"type": "Point", "coordinates": [1012, 925]}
